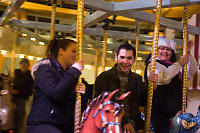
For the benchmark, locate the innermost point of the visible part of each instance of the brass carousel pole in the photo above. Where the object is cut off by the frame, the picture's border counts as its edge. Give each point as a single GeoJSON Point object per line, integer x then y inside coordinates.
{"type": "Point", "coordinates": [12, 69]}
{"type": "Point", "coordinates": [13, 53]}
{"type": "Point", "coordinates": [185, 46]}
{"type": "Point", "coordinates": [53, 18]}
{"type": "Point", "coordinates": [96, 69]}
{"type": "Point", "coordinates": [136, 44]}
{"type": "Point", "coordinates": [103, 61]}
{"type": "Point", "coordinates": [153, 63]}
{"type": "Point", "coordinates": [79, 36]}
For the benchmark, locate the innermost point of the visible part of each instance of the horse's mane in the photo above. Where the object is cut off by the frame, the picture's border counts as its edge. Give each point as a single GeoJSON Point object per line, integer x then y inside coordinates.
{"type": "Point", "coordinates": [93, 103]}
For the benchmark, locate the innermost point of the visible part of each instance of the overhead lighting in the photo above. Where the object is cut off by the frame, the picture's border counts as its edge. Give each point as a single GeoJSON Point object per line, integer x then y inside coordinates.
{"type": "Point", "coordinates": [30, 57]}
{"type": "Point", "coordinates": [110, 40]}
{"type": "Point", "coordinates": [3, 110]}
{"type": "Point", "coordinates": [24, 34]}
{"type": "Point", "coordinates": [41, 43]}
{"type": "Point", "coordinates": [33, 39]}
{"type": "Point", "coordinates": [39, 58]}
{"type": "Point", "coordinates": [21, 55]}
{"type": "Point", "coordinates": [161, 34]}
{"type": "Point", "coordinates": [139, 58]}
{"type": "Point", "coordinates": [110, 51]}
{"type": "Point", "coordinates": [107, 68]}
{"type": "Point", "coordinates": [144, 52]}
{"type": "Point", "coordinates": [3, 52]}
{"type": "Point", "coordinates": [87, 66]}
{"type": "Point", "coordinates": [90, 45]}
{"type": "Point", "coordinates": [148, 43]}
{"type": "Point", "coordinates": [138, 71]}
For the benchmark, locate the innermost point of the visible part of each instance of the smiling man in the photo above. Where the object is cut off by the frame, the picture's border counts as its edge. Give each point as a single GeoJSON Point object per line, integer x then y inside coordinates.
{"type": "Point", "coordinates": [121, 77]}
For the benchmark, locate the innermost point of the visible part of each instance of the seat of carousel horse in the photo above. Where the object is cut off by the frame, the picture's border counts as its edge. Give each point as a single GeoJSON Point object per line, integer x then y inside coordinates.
{"type": "Point", "coordinates": [186, 123]}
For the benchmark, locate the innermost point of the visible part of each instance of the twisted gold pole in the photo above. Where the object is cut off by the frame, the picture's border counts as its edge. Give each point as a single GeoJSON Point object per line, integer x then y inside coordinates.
{"type": "Point", "coordinates": [79, 36]}
{"type": "Point", "coordinates": [96, 69]}
{"type": "Point", "coordinates": [103, 61]}
{"type": "Point", "coordinates": [153, 63]}
{"type": "Point", "coordinates": [185, 46]}
{"type": "Point", "coordinates": [136, 44]}
{"type": "Point", "coordinates": [12, 69]}
{"type": "Point", "coordinates": [53, 19]}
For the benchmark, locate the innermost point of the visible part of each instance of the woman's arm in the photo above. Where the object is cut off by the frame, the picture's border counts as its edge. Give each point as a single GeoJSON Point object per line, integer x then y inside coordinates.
{"type": "Point", "coordinates": [192, 67]}
{"type": "Point", "coordinates": [55, 87]}
{"type": "Point", "coordinates": [165, 74]}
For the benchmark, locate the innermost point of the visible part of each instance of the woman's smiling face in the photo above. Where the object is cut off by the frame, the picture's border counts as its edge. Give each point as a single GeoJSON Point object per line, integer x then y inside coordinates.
{"type": "Point", "coordinates": [164, 53]}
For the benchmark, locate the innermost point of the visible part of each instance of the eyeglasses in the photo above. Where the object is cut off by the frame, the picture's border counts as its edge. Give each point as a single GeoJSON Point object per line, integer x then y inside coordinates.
{"type": "Point", "coordinates": [165, 48]}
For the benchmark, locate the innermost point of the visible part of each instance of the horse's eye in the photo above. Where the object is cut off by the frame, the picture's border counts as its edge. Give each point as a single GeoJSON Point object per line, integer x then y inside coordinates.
{"type": "Point", "coordinates": [107, 111]}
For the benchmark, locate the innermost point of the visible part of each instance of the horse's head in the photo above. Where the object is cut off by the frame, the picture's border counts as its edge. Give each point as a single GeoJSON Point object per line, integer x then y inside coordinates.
{"type": "Point", "coordinates": [186, 123]}
{"type": "Point", "coordinates": [106, 114]}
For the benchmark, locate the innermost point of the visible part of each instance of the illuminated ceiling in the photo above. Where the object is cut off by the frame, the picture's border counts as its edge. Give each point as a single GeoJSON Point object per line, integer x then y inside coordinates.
{"type": "Point", "coordinates": [35, 14]}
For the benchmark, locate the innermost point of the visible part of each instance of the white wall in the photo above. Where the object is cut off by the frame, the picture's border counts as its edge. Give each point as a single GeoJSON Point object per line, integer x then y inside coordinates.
{"type": "Point", "coordinates": [193, 101]}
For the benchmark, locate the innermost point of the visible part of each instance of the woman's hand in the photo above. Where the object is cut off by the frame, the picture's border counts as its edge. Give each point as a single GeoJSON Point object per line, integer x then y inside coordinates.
{"type": "Point", "coordinates": [80, 88]}
{"type": "Point", "coordinates": [153, 78]}
{"type": "Point", "coordinates": [184, 59]}
{"type": "Point", "coordinates": [79, 65]}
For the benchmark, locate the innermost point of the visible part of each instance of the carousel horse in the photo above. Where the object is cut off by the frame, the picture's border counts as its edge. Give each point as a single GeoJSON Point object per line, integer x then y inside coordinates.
{"type": "Point", "coordinates": [186, 123]}
{"type": "Point", "coordinates": [103, 114]}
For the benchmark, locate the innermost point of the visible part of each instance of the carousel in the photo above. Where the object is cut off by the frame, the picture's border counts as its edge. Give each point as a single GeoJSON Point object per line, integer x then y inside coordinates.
{"type": "Point", "coordinates": [98, 27]}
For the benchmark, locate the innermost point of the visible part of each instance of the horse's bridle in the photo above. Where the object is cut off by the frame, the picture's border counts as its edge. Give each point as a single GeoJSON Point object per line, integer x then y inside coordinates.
{"type": "Point", "coordinates": [104, 122]}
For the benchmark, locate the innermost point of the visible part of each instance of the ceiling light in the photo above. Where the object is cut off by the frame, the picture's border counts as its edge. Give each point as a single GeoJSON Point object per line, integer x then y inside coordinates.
{"type": "Point", "coordinates": [30, 57]}
{"type": "Point", "coordinates": [33, 39]}
{"type": "Point", "coordinates": [107, 68]}
{"type": "Point", "coordinates": [138, 71]}
{"type": "Point", "coordinates": [148, 43]}
{"type": "Point", "coordinates": [21, 55]}
{"type": "Point", "coordinates": [24, 34]}
{"type": "Point", "coordinates": [144, 52]}
{"type": "Point", "coordinates": [3, 52]}
{"type": "Point", "coordinates": [41, 43]}
{"type": "Point", "coordinates": [109, 52]}
{"type": "Point", "coordinates": [90, 45]}
{"type": "Point", "coordinates": [110, 40]}
{"type": "Point", "coordinates": [39, 58]}
{"type": "Point", "coordinates": [161, 34]}
{"type": "Point", "coordinates": [139, 58]}
{"type": "Point", "coordinates": [87, 66]}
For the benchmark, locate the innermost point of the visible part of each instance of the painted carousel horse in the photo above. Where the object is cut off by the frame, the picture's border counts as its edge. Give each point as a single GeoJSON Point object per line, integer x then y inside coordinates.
{"type": "Point", "coordinates": [103, 114]}
{"type": "Point", "coordinates": [186, 123]}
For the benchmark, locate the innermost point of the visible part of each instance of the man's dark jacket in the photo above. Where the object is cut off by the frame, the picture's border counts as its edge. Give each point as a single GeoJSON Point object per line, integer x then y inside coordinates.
{"type": "Point", "coordinates": [109, 81]}
{"type": "Point", "coordinates": [54, 96]}
{"type": "Point", "coordinates": [23, 82]}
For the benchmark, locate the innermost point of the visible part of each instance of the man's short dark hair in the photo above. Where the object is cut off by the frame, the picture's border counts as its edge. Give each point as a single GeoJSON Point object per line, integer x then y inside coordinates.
{"type": "Point", "coordinates": [24, 60]}
{"type": "Point", "coordinates": [127, 47]}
